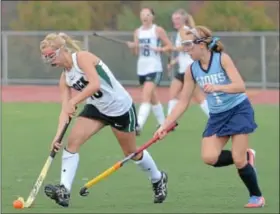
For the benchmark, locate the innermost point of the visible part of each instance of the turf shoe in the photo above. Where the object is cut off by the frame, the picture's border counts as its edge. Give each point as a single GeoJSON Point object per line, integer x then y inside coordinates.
{"type": "Point", "coordinates": [58, 193]}
{"type": "Point", "coordinates": [160, 189]}
{"type": "Point", "coordinates": [255, 202]}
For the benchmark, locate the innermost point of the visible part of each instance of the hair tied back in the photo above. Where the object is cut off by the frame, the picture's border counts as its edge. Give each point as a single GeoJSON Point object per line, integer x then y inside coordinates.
{"type": "Point", "coordinates": [213, 42]}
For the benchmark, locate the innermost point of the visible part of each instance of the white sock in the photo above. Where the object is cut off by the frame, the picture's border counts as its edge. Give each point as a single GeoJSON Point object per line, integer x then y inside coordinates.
{"type": "Point", "coordinates": [171, 105]}
{"type": "Point", "coordinates": [148, 165]}
{"type": "Point", "coordinates": [143, 113]}
{"type": "Point", "coordinates": [69, 167]}
{"type": "Point", "coordinates": [204, 107]}
{"type": "Point", "coordinates": [158, 112]}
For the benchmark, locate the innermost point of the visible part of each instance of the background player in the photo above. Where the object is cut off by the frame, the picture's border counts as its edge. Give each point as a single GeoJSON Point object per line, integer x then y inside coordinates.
{"type": "Point", "coordinates": [107, 103]}
{"type": "Point", "coordinates": [231, 113]}
{"type": "Point", "coordinates": [182, 21]}
{"type": "Point", "coordinates": [146, 45]}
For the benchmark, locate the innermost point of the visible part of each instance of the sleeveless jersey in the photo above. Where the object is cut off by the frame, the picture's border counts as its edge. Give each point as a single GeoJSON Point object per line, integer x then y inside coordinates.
{"type": "Point", "coordinates": [216, 75]}
{"type": "Point", "coordinates": [111, 99]}
{"type": "Point", "coordinates": [184, 59]}
{"type": "Point", "coordinates": [149, 61]}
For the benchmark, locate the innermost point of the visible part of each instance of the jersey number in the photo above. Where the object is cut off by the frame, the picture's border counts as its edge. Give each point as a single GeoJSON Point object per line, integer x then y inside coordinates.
{"type": "Point", "coordinates": [218, 99]}
{"type": "Point", "coordinates": [82, 83]}
{"type": "Point", "coordinates": [97, 95]}
{"type": "Point", "coordinates": [146, 50]}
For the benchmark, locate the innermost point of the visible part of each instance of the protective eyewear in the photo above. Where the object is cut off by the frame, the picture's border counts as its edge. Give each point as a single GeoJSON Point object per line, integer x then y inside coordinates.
{"type": "Point", "coordinates": [49, 57]}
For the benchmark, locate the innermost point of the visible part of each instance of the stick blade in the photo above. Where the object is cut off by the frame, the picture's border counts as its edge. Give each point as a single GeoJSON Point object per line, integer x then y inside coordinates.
{"type": "Point", "coordinates": [84, 192]}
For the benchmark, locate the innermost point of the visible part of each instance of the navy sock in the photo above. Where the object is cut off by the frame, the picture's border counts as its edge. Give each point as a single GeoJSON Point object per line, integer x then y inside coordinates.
{"type": "Point", "coordinates": [249, 177]}
{"type": "Point", "coordinates": [225, 159]}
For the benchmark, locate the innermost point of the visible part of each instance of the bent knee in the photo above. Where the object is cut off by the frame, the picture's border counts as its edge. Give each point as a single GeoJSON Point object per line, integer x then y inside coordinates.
{"type": "Point", "coordinates": [74, 143]}
{"type": "Point", "coordinates": [210, 158]}
{"type": "Point", "coordinates": [239, 160]}
{"type": "Point", "coordinates": [136, 157]}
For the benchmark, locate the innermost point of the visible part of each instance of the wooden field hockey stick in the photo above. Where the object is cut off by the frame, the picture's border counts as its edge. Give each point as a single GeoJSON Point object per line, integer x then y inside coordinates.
{"type": "Point", "coordinates": [84, 190]}
{"type": "Point", "coordinates": [45, 170]}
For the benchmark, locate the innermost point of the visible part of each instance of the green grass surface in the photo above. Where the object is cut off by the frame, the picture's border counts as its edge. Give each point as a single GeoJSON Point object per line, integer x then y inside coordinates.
{"type": "Point", "coordinates": [194, 187]}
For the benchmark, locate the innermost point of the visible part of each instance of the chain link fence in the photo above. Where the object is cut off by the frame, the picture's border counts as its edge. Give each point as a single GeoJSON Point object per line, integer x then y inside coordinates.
{"type": "Point", "coordinates": [256, 55]}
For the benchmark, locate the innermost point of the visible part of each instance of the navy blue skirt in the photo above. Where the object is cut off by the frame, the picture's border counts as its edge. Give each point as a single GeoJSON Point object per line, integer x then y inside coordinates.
{"type": "Point", "coordinates": [238, 120]}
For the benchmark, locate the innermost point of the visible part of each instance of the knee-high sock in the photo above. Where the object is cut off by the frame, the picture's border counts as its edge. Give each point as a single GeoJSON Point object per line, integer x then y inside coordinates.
{"type": "Point", "coordinates": [69, 167]}
{"type": "Point", "coordinates": [143, 113]}
{"type": "Point", "coordinates": [158, 112]}
{"type": "Point", "coordinates": [171, 104]}
{"type": "Point", "coordinates": [148, 165]}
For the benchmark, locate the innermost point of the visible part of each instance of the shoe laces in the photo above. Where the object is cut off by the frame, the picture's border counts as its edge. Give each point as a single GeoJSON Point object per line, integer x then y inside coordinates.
{"type": "Point", "coordinates": [158, 187]}
{"type": "Point", "coordinates": [62, 192]}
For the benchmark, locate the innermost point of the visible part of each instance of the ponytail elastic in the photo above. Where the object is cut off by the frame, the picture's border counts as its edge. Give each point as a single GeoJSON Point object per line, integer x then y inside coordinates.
{"type": "Point", "coordinates": [213, 42]}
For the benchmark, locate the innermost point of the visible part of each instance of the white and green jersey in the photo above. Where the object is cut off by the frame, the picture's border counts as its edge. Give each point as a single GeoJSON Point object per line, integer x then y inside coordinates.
{"type": "Point", "coordinates": [149, 61]}
{"type": "Point", "coordinates": [184, 59]}
{"type": "Point", "coordinates": [111, 99]}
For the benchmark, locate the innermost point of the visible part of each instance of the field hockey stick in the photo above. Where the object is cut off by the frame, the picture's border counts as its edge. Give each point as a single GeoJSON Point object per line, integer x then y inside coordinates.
{"type": "Point", "coordinates": [110, 38]}
{"type": "Point", "coordinates": [84, 190]}
{"type": "Point", "coordinates": [44, 170]}
{"type": "Point", "coordinates": [115, 40]}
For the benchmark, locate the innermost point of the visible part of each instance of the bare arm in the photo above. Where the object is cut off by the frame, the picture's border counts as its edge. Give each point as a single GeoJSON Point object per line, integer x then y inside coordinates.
{"type": "Point", "coordinates": [136, 42]}
{"type": "Point", "coordinates": [183, 103]}
{"type": "Point", "coordinates": [133, 46]}
{"type": "Point", "coordinates": [237, 84]}
{"type": "Point", "coordinates": [164, 38]}
{"type": "Point", "coordinates": [87, 61]}
{"type": "Point", "coordinates": [177, 48]}
{"type": "Point", "coordinates": [173, 61]}
{"type": "Point", "coordinates": [65, 93]}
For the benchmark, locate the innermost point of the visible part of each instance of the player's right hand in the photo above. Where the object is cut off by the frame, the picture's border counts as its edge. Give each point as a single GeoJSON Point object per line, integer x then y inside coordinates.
{"type": "Point", "coordinates": [131, 44]}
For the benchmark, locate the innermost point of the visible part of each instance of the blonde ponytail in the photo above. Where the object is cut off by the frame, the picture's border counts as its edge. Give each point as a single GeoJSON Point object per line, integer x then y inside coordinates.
{"type": "Point", "coordinates": [60, 40]}
{"type": "Point", "coordinates": [71, 45]}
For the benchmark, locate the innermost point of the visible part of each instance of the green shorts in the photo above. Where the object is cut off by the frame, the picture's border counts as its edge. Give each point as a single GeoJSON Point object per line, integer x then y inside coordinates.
{"type": "Point", "coordinates": [126, 122]}
{"type": "Point", "coordinates": [151, 77]}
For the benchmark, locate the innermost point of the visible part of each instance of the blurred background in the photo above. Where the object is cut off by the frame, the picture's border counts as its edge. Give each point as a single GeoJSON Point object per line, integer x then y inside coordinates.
{"type": "Point", "coordinates": [249, 30]}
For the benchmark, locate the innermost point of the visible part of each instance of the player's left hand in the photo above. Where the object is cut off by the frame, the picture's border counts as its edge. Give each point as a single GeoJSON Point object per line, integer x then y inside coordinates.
{"type": "Point", "coordinates": [70, 108]}
{"type": "Point", "coordinates": [160, 133]}
{"type": "Point", "coordinates": [210, 88]}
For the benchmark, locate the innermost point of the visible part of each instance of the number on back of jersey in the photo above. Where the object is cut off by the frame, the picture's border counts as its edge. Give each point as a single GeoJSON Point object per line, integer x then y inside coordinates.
{"type": "Point", "coordinates": [82, 83]}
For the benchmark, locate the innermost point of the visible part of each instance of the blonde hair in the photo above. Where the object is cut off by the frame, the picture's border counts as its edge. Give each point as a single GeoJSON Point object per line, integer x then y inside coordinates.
{"type": "Point", "coordinates": [59, 40]}
{"type": "Point", "coordinates": [202, 32]}
{"type": "Point", "coordinates": [189, 21]}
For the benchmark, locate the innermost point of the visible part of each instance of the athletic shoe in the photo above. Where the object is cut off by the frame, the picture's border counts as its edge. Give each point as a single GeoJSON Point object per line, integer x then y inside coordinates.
{"type": "Point", "coordinates": [255, 202]}
{"type": "Point", "coordinates": [58, 193]}
{"type": "Point", "coordinates": [160, 188]}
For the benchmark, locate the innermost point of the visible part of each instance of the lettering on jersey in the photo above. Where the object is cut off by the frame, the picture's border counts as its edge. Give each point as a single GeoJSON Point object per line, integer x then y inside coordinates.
{"type": "Point", "coordinates": [82, 83]}
{"type": "Point", "coordinates": [214, 79]}
{"type": "Point", "coordinates": [146, 46]}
